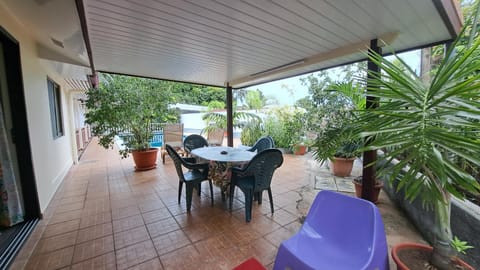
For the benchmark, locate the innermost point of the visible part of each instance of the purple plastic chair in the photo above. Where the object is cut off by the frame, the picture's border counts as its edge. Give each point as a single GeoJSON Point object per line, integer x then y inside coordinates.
{"type": "Point", "coordinates": [339, 232]}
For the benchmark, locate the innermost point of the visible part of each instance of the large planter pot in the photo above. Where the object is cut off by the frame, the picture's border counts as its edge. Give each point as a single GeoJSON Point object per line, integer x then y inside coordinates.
{"type": "Point", "coordinates": [145, 160]}
{"type": "Point", "coordinates": [342, 167]}
{"type": "Point", "coordinates": [418, 249]}
{"type": "Point", "coordinates": [376, 190]}
{"type": "Point", "coordinates": [299, 149]}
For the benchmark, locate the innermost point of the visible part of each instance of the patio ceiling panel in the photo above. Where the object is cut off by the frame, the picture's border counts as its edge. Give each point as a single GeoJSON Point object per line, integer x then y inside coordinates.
{"type": "Point", "coordinates": [239, 42]}
{"type": "Point", "coordinates": [246, 42]}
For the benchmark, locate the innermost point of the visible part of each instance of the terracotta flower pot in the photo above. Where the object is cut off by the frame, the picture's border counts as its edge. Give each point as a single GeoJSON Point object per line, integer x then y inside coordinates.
{"type": "Point", "coordinates": [342, 167]}
{"type": "Point", "coordinates": [404, 246]}
{"type": "Point", "coordinates": [376, 190]}
{"type": "Point", "coordinates": [299, 149]}
{"type": "Point", "coordinates": [145, 160]}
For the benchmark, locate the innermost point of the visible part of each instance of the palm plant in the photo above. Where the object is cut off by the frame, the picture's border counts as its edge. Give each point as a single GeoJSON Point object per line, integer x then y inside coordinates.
{"type": "Point", "coordinates": [219, 120]}
{"type": "Point", "coordinates": [430, 125]}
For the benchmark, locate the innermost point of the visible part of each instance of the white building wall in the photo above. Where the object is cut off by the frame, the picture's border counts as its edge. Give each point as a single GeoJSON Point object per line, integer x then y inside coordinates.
{"type": "Point", "coordinates": [52, 158]}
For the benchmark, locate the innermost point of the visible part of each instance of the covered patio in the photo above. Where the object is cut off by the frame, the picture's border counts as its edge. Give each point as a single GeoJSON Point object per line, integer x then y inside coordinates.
{"type": "Point", "coordinates": [107, 216]}
{"type": "Point", "coordinates": [96, 212]}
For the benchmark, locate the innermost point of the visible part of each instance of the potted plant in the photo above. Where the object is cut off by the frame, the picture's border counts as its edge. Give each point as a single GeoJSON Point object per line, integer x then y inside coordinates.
{"type": "Point", "coordinates": [296, 126]}
{"type": "Point", "coordinates": [126, 107]}
{"type": "Point", "coordinates": [357, 182]}
{"type": "Point", "coordinates": [430, 125]}
{"type": "Point", "coordinates": [338, 142]}
{"type": "Point", "coordinates": [300, 147]}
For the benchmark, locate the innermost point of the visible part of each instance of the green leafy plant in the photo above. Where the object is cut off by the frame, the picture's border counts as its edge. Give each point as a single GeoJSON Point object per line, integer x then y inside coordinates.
{"type": "Point", "coordinates": [285, 126]}
{"type": "Point", "coordinates": [460, 246]}
{"type": "Point", "coordinates": [337, 133]}
{"type": "Point", "coordinates": [127, 106]}
{"type": "Point", "coordinates": [429, 124]}
{"type": "Point", "coordinates": [251, 132]}
{"type": "Point", "coordinates": [216, 120]}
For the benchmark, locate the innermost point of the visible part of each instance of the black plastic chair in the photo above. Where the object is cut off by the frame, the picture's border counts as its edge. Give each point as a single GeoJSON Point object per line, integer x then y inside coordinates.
{"type": "Point", "coordinates": [198, 172]}
{"type": "Point", "coordinates": [262, 144]}
{"type": "Point", "coordinates": [271, 141]}
{"type": "Point", "coordinates": [194, 141]}
{"type": "Point", "coordinates": [255, 178]}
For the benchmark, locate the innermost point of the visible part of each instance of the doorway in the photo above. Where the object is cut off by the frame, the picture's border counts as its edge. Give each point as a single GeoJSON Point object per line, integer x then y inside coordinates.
{"type": "Point", "coordinates": [19, 206]}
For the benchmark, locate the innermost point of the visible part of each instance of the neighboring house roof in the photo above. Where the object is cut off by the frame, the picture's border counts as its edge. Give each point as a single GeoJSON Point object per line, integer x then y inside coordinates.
{"type": "Point", "coordinates": [233, 42]}
{"type": "Point", "coordinates": [187, 108]}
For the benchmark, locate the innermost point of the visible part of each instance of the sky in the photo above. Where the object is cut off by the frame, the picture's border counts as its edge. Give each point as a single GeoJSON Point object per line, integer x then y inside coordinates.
{"type": "Point", "coordinates": [278, 89]}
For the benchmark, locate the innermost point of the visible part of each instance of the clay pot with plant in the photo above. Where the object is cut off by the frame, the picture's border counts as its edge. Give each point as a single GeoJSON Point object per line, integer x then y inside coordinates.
{"type": "Point", "coordinates": [431, 125]}
{"type": "Point", "coordinates": [357, 182]}
{"type": "Point", "coordinates": [340, 144]}
{"type": "Point", "coordinates": [125, 107]}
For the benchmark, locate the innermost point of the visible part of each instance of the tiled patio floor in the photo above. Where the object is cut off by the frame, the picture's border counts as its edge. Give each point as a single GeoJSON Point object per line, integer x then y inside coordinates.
{"type": "Point", "coordinates": [106, 216]}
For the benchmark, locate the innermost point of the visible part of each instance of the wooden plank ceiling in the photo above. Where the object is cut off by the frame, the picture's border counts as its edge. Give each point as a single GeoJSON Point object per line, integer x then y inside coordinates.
{"type": "Point", "coordinates": [245, 42]}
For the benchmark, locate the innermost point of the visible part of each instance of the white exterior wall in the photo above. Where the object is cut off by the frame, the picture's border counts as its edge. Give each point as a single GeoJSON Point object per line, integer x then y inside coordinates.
{"type": "Point", "coordinates": [52, 158]}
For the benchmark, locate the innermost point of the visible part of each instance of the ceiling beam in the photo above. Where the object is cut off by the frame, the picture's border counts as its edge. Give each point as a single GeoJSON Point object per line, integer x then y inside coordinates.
{"type": "Point", "coordinates": [86, 37]}
{"type": "Point", "coordinates": [318, 58]}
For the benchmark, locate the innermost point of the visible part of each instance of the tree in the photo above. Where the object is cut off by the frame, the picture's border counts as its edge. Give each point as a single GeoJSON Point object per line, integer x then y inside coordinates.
{"type": "Point", "coordinates": [127, 105]}
{"type": "Point", "coordinates": [255, 99]}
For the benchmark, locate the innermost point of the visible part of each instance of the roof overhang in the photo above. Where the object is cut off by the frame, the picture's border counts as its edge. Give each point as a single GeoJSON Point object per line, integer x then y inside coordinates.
{"type": "Point", "coordinates": [240, 43]}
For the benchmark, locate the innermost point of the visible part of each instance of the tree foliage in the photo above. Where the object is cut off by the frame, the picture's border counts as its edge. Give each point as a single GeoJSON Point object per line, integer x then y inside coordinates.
{"type": "Point", "coordinates": [255, 99]}
{"type": "Point", "coordinates": [128, 105]}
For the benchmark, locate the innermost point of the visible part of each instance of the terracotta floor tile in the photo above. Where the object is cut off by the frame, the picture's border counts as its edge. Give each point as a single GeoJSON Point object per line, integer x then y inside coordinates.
{"type": "Point", "coordinates": [177, 209]}
{"type": "Point", "coordinates": [93, 248]}
{"type": "Point", "coordinates": [216, 243]}
{"type": "Point", "coordinates": [95, 207]}
{"type": "Point", "coordinates": [103, 262]}
{"type": "Point", "coordinates": [148, 265]}
{"type": "Point", "coordinates": [60, 241]}
{"type": "Point", "coordinates": [123, 203]}
{"type": "Point", "coordinates": [75, 199]}
{"type": "Point", "coordinates": [170, 241]}
{"type": "Point", "coordinates": [232, 257]}
{"type": "Point", "coordinates": [156, 215]}
{"type": "Point", "coordinates": [151, 205]}
{"type": "Point", "coordinates": [135, 254]}
{"type": "Point", "coordinates": [181, 258]}
{"type": "Point", "coordinates": [65, 216]}
{"type": "Point", "coordinates": [262, 250]}
{"type": "Point", "coordinates": [107, 216]}
{"type": "Point", "coordinates": [130, 237]}
{"type": "Point", "coordinates": [60, 228]}
{"type": "Point", "coordinates": [53, 260]}
{"type": "Point", "coordinates": [148, 197]}
{"type": "Point", "coordinates": [94, 232]}
{"type": "Point", "coordinates": [87, 221]}
{"type": "Point", "coordinates": [162, 227]}
{"type": "Point", "coordinates": [69, 207]}
{"type": "Point", "coordinates": [128, 211]}
{"type": "Point", "coordinates": [200, 231]}
{"type": "Point", "coordinates": [283, 217]}
{"type": "Point", "coordinates": [278, 236]}
{"type": "Point", "coordinates": [242, 236]}
{"type": "Point", "coordinates": [127, 223]}
{"type": "Point", "coordinates": [74, 193]}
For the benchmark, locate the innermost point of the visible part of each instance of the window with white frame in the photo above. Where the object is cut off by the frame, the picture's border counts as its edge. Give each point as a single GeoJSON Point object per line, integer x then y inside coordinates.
{"type": "Point", "coordinates": [55, 99]}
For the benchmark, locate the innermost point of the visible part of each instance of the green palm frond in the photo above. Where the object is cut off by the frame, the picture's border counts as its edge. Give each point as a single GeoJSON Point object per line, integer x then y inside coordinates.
{"type": "Point", "coordinates": [219, 120]}
{"type": "Point", "coordinates": [429, 124]}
